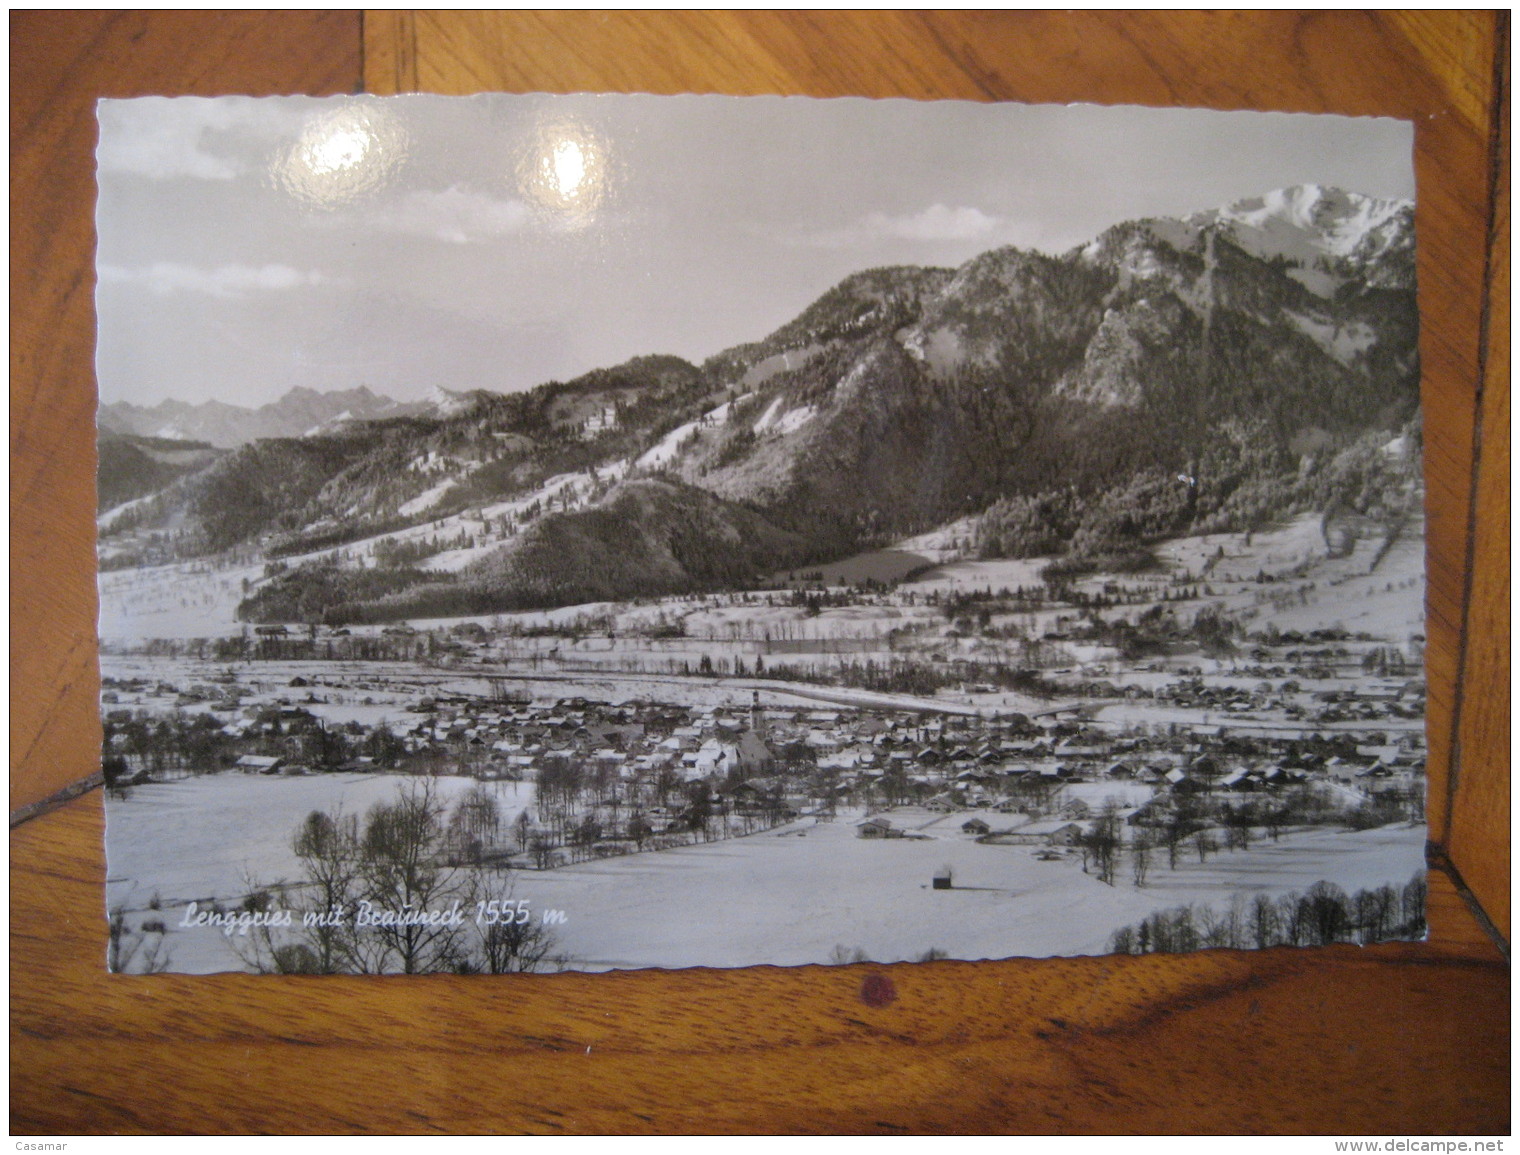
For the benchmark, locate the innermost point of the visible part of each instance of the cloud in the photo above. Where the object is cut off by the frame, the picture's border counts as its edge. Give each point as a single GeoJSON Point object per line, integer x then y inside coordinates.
{"type": "Point", "coordinates": [161, 152]}
{"type": "Point", "coordinates": [938, 222]}
{"type": "Point", "coordinates": [165, 277]}
{"type": "Point", "coordinates": [168, 137]}
{"type": "Point", "coordinates": [454, 215]}
{"type": "Point", "coordinates": [935, 223]}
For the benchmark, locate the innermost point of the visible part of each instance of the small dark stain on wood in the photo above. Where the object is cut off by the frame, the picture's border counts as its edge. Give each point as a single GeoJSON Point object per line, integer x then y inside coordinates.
{"type": "Point", "coordinates": [877, 991]}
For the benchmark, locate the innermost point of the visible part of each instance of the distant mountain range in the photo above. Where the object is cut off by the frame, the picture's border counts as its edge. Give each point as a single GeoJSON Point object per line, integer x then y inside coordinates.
{"type": "Point", "coordinates": [300, 413]}
{"type": "Point", "coordinates": [1253, 352]}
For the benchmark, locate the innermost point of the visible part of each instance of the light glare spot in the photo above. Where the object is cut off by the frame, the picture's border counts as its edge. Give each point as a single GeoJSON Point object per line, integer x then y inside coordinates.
{"type": "Point", "coordinates": [565, 172]}
{"type": "Point", "coordinates": [569, 167]}
{"type": "Point", "coordinates": [342, 156]}
{"type": "Point", "coordinates": [342, 149]}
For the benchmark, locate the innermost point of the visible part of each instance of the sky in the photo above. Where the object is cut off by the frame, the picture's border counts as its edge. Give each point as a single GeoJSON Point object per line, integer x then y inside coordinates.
{"type": "Point", "coordinates": [248, 246]}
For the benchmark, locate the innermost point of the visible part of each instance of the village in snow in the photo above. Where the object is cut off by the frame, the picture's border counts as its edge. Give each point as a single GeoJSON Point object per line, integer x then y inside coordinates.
{"type": "Point", "coordinates": [833, 769]}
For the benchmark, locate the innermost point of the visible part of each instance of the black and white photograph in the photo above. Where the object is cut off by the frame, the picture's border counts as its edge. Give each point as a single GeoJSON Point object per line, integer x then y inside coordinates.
{"type": "Point", "coordinates": [544, 533]}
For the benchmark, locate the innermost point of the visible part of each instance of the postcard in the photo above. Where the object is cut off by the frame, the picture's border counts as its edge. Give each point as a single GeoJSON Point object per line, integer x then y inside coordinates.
{"type": "Point", "coordinates": [601, 532]}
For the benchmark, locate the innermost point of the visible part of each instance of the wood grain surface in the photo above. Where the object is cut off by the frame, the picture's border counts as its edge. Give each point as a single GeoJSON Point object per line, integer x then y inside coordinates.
{"type": "Point", "coordinates": [1400, 1038]}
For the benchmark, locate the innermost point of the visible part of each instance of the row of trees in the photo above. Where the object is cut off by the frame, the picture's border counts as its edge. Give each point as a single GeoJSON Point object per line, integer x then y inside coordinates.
{"type": "Point", "coordinates": [185, 743]}
{"type": "Point", "coordinates": [587, 810]}
{"type": "Point", "coordinates": [301, 644]}
{"type": "Point", "coordinates": [1182, 824]}
{"type": "Point", "coordinates": [1321, 915]}
{"type": "Point", "coordinates": [159, 744]}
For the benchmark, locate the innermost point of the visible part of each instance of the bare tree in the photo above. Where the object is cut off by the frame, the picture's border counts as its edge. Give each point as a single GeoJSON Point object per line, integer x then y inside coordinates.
{"type": "Point", "coordinates": [130, 951]}
{"type": "Point", "coordinates": [1140, 857]}
{"type": "Point", "coordinates": [1374, 911]}
{"type": "Point", "coordinates": [1105, 841]}
{"type": "Point", "coordinates": [507, 940]}
{"type": "Point", "coordinates": [474, 824]}
{"type": "Point", "coordinates": [327, 847]}
{"type": "Point", "coordinates": [1414, 906]}
{"type": "Point", "coordinates": [399, 877]}
{"type": "Point", "coordinates": [1291, 920]}
{"type": "Point", "coordinates": [1328, 913]}
{"type": "Point", "coordinates": [1214, 929]}
{"type": "Point", "coordinates": [1265, 928]}
{"type": "Point", "coordinates": [1204, 844]}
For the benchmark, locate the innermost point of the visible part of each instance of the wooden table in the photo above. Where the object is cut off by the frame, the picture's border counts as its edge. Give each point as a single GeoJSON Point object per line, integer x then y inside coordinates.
{"type": "Point", "coordinates": [1401, 1038]}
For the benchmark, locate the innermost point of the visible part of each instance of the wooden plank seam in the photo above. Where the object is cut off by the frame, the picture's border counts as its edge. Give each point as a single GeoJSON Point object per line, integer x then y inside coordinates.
{"type": "Point", "coordinates": [1436, 859]}
{"type": "Point", "coordinates": [1485, 321]}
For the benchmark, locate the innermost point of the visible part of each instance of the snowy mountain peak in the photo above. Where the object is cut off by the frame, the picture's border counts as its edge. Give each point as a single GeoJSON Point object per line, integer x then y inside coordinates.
{"type": "Point", "coordinates": [451, 402]}
{"type": "Point", "coordinates": [1324, 234]}
{"type": "Point", "coordinates": [1332, 220]}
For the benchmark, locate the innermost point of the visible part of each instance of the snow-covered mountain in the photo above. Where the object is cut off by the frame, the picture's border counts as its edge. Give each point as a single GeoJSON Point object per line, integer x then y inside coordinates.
{"type": "Point", "coordinates": [909, 395]}
{"type": "Point", "coordinates": [1326, 236]}
{"type": "Point", "coordinates": [441, 402]}
{"type": "Point", "coordinates": [1308, 221]}
{"type": "Point", "coordinates": [1211, 347]}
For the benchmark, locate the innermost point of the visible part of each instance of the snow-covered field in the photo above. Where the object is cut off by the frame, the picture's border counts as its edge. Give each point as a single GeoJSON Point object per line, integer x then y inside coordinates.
{"type": "Point", "coordinates": [185, 600]}
{"type": "Point", "coordinates": [786, 897]}
{"type": "Point", "coordinates": [1369, 589]}
{"type": "Point", "coordinates": [963, 576]}
{"type": "Point", "coordinates": [369, 692]}
{"type": "Point", "coordinates": [790, 898]}
{"type": "Point", "coordinates": [945, 544]}
{"type": "Point", "coordinates": [1288, 545]}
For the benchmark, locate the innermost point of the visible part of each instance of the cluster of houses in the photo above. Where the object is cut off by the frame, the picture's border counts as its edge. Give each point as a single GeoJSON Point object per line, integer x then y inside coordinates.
{"type": "Point", "coordinates": [1369, 701]}
{"type": "Point", "coordinates": [1064, 830]}
{"type": "Point", "coordinates": [774, 763]}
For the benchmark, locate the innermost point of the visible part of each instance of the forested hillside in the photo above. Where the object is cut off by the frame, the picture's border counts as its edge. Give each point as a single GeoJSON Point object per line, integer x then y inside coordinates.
{"type": "Point", "coordinates": [132, 467]}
